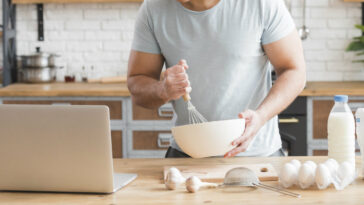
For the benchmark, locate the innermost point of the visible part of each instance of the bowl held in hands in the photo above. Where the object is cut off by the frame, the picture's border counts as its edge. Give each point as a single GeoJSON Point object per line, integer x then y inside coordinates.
{"type": "Point", "coordinates": [208, 139]}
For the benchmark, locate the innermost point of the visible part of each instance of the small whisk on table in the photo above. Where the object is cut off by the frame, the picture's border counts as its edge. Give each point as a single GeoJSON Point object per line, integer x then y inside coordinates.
{"type": "Point", "coordinates": [194, 117]}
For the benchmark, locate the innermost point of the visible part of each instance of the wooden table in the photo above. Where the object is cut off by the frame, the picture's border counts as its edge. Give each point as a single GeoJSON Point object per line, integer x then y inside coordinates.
{"type": "Point", "coordinates": [148, 188]}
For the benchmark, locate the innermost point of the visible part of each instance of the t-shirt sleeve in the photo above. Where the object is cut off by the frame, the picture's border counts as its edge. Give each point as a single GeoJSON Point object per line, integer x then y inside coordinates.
{"type": "Point", "coordinates": [144, 37]}
{"type": "Point", "coordinates": [277, 21]}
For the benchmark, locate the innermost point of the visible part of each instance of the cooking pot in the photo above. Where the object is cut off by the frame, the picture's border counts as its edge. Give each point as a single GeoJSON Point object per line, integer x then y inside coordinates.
{"type": "Point", "coordinates": [38, 75]}
{"type": "Point", "coordinates": [38, 59]}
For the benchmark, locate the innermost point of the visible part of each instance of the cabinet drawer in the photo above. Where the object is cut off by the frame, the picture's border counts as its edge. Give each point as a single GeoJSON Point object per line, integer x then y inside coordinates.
{"type": "Point", "coordinates": [165, 112]}
{"type": "Point", "coordinates": [117, 144]}
{"type": "Point", "coordinates": [151, 140]}
{"type": "Point", "coordinates": [321, 111]}
{"type": "Point", "coordinates": [324, 152]}
{"type": "Point", "coordinates": [114, 106]}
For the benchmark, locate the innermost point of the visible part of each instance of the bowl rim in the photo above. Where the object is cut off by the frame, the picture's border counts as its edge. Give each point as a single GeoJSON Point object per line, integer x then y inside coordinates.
{"type": "Point", "coordinates": [206, 123]}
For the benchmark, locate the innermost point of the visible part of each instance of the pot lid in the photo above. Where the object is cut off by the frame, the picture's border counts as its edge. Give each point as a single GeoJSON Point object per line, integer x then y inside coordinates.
{"type": "Point", "coordinates": [40, 53]}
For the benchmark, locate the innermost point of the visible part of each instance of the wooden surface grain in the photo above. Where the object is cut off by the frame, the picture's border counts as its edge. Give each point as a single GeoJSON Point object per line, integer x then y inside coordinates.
{"type": "Point", "coordinates": [96, 89]}
{"type": "Point", "coordinates": [333, 88]}
{"type": "Point", "coordinates": [148, 188]}
{"type": "Point", "coordinates": [64, 89]}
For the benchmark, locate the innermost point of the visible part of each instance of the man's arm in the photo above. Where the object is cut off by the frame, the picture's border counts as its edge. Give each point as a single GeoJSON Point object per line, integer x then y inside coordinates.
{"type": "Point", "coordinates": [286, 56]}
{"type": "Point", "coordinates": [144, 83]}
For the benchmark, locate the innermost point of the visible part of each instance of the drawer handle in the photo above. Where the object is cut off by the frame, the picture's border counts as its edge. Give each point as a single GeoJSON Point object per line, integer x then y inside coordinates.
{"type": "Point", "coordinates": [292, 120]}
{"type": "Point", "coordinates": [164, 140]}
{"type": "Point", "coordinates": [165, 111]}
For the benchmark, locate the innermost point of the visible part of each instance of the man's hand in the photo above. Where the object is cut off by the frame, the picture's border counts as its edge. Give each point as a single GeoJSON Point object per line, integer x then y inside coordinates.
{"type": "Point", "coordinates": [253, 122]}
{"type": "Point", "coordinates": [175, 82]}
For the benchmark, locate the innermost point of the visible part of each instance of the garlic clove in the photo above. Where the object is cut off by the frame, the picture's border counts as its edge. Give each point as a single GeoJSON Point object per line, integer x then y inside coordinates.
{"type": "Point", "coordinates": [323, 176]}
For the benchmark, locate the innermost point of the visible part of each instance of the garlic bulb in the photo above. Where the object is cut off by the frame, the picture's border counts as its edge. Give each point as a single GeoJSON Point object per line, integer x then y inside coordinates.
{"type": "Point", "coordinates": [193, 184]}
{"type": "Point", "coordinates": [306, 174]}
{"type": "Point", "coordinates": [323, 176]}
{"type": "Point", "coordinates": [174, 178]}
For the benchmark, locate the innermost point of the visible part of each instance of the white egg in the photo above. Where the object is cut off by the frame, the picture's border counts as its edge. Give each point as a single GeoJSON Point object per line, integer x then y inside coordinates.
{"type": "Point", "coordinates": [296, 163]}
{"type": "Point", "coordinates": [332, 165]}
{"type": "Point", "coordinates": [311, 164]}
{"type": "Point", "coordinates": [288, 175]}
{"type": "Point", "coordinates": [306, 175]}
{"type": "Point", "coordinates": [323, 176]}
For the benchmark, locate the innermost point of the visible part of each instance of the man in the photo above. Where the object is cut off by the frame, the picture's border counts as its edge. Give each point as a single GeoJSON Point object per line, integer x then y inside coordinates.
{"type": "Point", "coordinates": [228, 47]}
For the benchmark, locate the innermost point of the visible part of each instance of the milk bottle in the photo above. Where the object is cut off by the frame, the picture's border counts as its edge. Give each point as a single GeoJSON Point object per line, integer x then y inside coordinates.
{"type": "Point", "coordinates": [341, 131]}
{"type": "Point", "coordinates": [360, 133]}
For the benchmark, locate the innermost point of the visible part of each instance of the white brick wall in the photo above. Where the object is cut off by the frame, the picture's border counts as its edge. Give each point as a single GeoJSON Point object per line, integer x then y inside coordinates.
{"type": "Point", "coordinates": [332, 26]}
{"type": "Point", "coordinates": [100, 35]}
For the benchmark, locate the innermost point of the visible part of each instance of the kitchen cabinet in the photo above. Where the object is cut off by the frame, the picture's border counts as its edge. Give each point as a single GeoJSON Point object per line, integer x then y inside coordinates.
{"type": "Point", "coordinates": [115, 107]}
{"type": "Point", "coordinates": [142, 133]}
{"type": "Point", "coordinates": [117, 141]}
{"type": "Point", "coordinates": [163, 113]}
{"type": "Point", "coordinates": [148, 131]}
{"type": "Point", "coordinates": [324, 152]}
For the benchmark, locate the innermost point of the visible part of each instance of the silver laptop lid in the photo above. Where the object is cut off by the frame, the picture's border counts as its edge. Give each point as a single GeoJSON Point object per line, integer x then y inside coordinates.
{"type": "Point", "coordinates": [55, 148]}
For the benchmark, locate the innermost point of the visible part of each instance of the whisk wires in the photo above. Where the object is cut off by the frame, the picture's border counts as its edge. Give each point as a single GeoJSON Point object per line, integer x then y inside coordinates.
{"type": "Point", "coordinates": [194, 117]}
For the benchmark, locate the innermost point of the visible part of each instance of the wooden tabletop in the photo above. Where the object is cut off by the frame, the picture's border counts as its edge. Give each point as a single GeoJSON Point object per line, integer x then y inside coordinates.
{"type": "Point", "coordinates": [334, 88]}
{"type": "Point", "coordinates": [148, 188]}
{"type": "Point", "coordinates": [64, 89]}
{"type": "Point", "coordinates": [96, 89]}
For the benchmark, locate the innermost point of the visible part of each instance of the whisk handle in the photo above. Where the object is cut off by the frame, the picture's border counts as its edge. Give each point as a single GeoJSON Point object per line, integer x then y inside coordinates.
{"type": "Point", "coordinates": [186, 97]}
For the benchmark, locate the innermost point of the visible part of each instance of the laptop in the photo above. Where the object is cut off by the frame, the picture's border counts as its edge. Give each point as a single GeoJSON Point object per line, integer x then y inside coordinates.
{"type": "Point", "coordinates": [57, 148]}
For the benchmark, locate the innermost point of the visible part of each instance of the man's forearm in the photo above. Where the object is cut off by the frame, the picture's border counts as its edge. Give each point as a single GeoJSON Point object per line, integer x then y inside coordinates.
{"type": "Point", "coordinates": [146, 91]}
{"type": "Point", "coordinates": [287, 87]}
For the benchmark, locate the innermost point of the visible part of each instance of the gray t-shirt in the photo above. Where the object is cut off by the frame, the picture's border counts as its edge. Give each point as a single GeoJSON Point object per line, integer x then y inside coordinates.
{"type": "Point", "coordinates": [228, 68]}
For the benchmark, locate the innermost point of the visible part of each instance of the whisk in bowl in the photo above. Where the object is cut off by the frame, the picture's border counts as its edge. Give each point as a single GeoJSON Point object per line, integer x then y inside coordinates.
{"type": "Point", "coordinates": [194, 116]}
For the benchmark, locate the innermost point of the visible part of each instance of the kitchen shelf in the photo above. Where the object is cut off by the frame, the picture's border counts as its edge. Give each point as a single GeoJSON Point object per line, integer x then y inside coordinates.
{"type": "Point", "coordinates": [70, 1]}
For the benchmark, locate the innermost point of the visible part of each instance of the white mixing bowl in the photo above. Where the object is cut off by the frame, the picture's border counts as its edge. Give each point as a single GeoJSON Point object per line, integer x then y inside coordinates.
{"type": "Point", "coordinates": [208, 139]}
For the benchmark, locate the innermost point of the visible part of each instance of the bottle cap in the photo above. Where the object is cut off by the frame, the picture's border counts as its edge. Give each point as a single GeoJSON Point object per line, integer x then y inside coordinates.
{"type": "Point", "coordinates": [341, 98]}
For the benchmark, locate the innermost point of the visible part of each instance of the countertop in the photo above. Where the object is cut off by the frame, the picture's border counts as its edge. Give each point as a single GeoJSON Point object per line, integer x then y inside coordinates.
{"type": "Point", "coordinates": [148, 188]}
{"type": "Point", "coordinates": [95, 89]}
{"type": "Point", "coordinates": [64, 89]}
